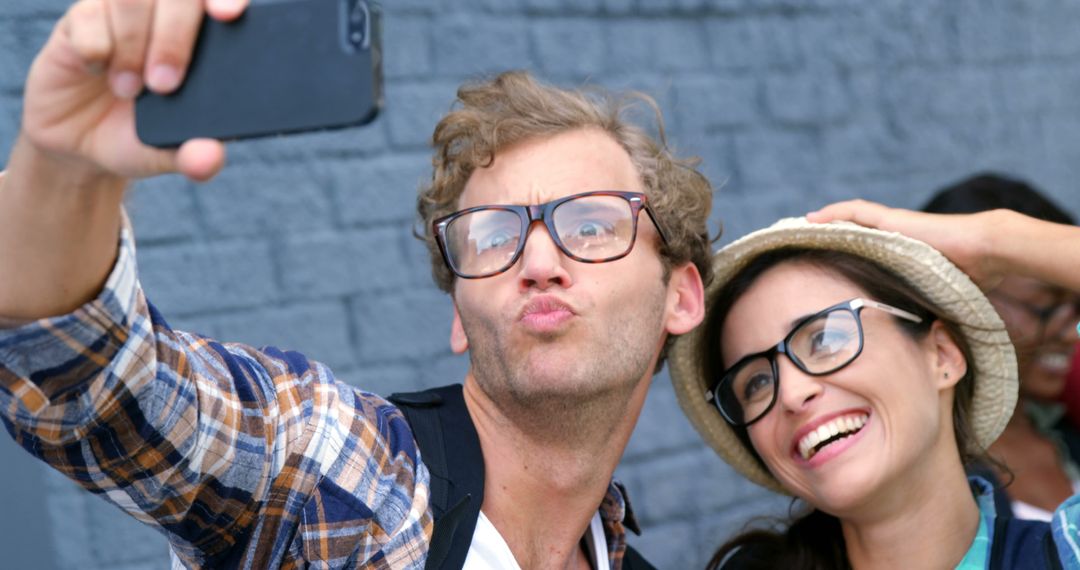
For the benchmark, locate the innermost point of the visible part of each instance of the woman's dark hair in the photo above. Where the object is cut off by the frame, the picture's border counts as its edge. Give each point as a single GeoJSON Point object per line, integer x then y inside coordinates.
{"type": "Point", "coordinates": [813, 539]}
{"type": "Point", "coordinates": [989, 191]}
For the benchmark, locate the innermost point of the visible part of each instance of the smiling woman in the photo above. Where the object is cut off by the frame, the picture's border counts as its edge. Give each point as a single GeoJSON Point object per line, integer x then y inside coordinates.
{"type": "Point", "coordinates": [861, 372]}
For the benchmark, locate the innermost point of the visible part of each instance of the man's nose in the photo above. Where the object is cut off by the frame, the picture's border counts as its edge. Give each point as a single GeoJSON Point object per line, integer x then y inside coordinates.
{"type": "Point", "coordinates": [542, 263]}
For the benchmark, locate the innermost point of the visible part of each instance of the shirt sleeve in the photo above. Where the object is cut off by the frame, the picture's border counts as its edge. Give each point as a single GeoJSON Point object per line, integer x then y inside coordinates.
{"type": "Point", "coordinates": [213, 444]}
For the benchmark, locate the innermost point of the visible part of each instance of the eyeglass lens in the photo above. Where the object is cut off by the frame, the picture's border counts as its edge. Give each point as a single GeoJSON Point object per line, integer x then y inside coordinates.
{"type": "Point", "coordinates": [818, 346]}
{"type": "Point", "coordinates": [590, 228]}
{"type": "Point", "coordinates": [1064, 311]}
{"type": "Point", "coordinates": [483, 241]}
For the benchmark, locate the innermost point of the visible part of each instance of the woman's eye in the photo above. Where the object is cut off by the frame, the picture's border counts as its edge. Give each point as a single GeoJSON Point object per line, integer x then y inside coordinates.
{"type": "Point", "coordinates": [756, 387]}
{"type": "Point", "coordinates": [828, 341]}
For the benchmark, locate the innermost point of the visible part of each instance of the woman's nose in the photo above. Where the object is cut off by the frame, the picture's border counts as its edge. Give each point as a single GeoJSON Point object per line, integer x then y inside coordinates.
{"type": "Point", "coordinates": [797, 388]}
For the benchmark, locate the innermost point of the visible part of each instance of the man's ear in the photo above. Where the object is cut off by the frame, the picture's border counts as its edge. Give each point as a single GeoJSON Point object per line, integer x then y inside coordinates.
{"type": "Point", "coordinates": [947, 359]}
{"type": "Point", "coordinates": [685, 299]}
{"type": "Point", "coordinates": [459, 343]}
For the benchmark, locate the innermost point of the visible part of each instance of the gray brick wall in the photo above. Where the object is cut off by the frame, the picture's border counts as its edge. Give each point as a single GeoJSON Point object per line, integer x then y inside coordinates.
{"type": "Point", "coordinates": [790, 103]}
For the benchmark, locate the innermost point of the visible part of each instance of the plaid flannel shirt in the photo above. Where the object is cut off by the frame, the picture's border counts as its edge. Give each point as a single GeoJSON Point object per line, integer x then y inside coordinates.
{"type": "Point", "coordinates": [242, 458]}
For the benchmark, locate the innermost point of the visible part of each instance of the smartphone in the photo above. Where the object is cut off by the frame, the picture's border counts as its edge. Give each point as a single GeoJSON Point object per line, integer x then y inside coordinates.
{"type": "Point", "coordinates": [283, 67]}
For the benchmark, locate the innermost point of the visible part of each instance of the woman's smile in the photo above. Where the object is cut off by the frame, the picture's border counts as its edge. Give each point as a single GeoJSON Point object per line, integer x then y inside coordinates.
{"type": "Point", "coordinates": [833, 433]}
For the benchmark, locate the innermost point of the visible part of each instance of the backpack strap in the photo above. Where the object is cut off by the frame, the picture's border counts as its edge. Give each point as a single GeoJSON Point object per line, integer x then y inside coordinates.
{"type": "Point", "coordinates": [633, 560]}
{"type": "Point", "coordinates": [1050, 552]}
{"type": "Point", "coordinates": [450, 448]}
{"type": "Point", "coordinates": [1023, 544]}
{"type": "Point", "coordinates": [997, 545]}
{"type": "Point", "coordinates": [1002, 503]}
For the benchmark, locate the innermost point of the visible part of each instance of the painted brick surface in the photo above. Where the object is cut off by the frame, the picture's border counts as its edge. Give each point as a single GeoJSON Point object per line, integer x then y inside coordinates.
{"type": "Point", "coordinates": [9, 125]}
{"type": "Point", "coordinates": [320, 330]}
{"type": "Point", "coordinates": [754, 42]}
{"type": "Point", "coordinates": [407, 44]}
{"type": "Point", "coordinates": [417, 107]}
{"type": "Point", "coordinates": [377, 190]}
{"type": "Point", "coordinates": [328, 264]}
{"type": "Point", "coordinates": [203, 277]}
{"type": "Point", "coordinates": [304, 241]}
{"type": "Point", "coordinates": [178, 222]}
{"type": "Point", "coordinates": [710, 102]}
{"type": "Point", "coordinates": [663, 46]}
{"type": "Point", "coordinates": [20, 36]}
{"type": "Point", "coordinates": [471, 43]}
{"type": "Point", "coordinates": [569, 46]}
{"type": "Point", "coordinates": [254, 199]}
{"type": "Point", "coordinates": [403, 325]}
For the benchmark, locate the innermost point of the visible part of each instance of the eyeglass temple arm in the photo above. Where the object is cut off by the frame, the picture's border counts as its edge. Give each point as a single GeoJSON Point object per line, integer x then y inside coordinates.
{"type": "Point", "coordinates": [888, 309]}
{"type": "Point", "coordinates": [656, 223]}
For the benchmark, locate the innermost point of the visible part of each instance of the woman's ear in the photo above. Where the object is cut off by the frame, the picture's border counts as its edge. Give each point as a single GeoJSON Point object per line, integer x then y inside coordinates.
{"type": "Point", "coordinates": [946, 358]}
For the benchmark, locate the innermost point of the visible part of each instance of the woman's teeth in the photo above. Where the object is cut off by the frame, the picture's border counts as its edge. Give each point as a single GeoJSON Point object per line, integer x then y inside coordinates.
{"type": "Point", "coordinates": [827, 433]}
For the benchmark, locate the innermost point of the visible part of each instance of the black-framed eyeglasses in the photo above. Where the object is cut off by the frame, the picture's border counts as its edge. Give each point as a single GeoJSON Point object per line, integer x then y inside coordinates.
{"type": "Point", "coordinates": [818, 345]}
{"type": "Point", "coordinates": [591, 227]}
{"type": "Point", "coordinates": [1066, 303]}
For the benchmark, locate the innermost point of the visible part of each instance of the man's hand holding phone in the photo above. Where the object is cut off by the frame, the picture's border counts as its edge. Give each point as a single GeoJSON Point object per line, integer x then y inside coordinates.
{"type": "Point", "coordinates": [79, 96]}
{"type": "Point", "coordinates": [117, 76]}
{"type": "Point", "coordinates": [77, 150]}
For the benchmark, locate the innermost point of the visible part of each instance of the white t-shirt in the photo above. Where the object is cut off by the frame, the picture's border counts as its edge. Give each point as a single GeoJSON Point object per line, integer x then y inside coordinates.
{"type": "Point", "coordinates": [1022, 510]}
{"type": "Point", "coordinates": [489, 551]}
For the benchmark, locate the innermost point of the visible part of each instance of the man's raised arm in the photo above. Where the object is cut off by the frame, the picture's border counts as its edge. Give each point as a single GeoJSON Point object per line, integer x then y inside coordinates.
{"type": "Point", "coordinates": [242, 457]}
{"type": "Point", "coordinates": [77, 149]}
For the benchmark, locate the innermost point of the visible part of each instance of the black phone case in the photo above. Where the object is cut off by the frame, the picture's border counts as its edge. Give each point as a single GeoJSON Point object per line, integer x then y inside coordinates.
{"type": "Point", "coordinates": [287, 66]}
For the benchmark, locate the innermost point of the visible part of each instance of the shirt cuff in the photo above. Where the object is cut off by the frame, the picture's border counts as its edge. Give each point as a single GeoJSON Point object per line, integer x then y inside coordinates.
{"type": "Point", "coordinates": [6, 323]}
{"type": "Point", "coordinates": [43, 359]}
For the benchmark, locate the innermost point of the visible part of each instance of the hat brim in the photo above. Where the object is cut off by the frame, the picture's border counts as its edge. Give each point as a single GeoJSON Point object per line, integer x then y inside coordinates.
{"type": "Point", "coordinates": [922, 266]}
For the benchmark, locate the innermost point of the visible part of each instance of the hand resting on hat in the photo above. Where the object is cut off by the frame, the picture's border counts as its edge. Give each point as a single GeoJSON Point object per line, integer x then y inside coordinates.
{"type": "Point", "coordinates": [986, 245]}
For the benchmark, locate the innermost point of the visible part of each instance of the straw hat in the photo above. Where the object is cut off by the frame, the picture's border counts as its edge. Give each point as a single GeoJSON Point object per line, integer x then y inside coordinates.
{"type": "Point", "coordinates": [941, 282]}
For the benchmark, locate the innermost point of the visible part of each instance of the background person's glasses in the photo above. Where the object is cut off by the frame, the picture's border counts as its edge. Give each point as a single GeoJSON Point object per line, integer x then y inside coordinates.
{"type": "Point", "coordinates": [592, 227]}
{"type": "Point", "coordinates": [818, 345]}
{"type": "Point", "coordinates": [1063, 311]}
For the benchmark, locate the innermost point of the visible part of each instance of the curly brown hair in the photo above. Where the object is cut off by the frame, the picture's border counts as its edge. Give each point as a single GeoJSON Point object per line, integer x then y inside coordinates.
{"type": "Point", "coordinates": [494, 114]}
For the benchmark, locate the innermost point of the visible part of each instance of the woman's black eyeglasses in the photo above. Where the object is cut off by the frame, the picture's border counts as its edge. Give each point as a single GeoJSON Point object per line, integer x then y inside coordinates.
{"type": "Point", "coordinates": [818, 345]}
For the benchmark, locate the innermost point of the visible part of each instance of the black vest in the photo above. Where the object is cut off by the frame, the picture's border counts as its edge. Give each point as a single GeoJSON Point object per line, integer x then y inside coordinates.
{"type": "Point", "coordinates": [447, 439]}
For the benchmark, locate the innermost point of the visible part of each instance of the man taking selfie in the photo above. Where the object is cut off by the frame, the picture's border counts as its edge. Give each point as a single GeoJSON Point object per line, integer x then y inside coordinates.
{"type": "Point", "coordinates": [572, 244]}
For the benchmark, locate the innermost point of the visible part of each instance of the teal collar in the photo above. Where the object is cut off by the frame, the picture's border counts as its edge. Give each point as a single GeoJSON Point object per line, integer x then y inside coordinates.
{"type": "Point", "coordinates": [978, 555]}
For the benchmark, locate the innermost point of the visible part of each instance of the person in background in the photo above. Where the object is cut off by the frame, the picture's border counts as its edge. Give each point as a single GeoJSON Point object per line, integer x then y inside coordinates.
{"type": "Point", "coordinates": [1039, 447]}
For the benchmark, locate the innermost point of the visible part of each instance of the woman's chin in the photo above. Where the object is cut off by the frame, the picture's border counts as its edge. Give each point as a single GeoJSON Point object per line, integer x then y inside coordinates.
{"type": "Point", "coordinates": [838, 496]}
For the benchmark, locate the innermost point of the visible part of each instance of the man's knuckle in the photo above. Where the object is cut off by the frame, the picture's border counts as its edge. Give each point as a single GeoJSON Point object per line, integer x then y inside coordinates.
{"type": "Point", "coordinates": [91, 49]}
{"type": "Point", "coordinates": [169, 54]}
{"type": "Point", "coordinates": [85, 12]}
{"type": "Point", "coordinates": [131, 5]}
{"type": "Point", "coordinates": [126, 35]}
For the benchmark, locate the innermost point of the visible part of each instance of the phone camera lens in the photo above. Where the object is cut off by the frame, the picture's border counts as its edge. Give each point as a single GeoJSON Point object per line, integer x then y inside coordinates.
{"type": "Point", "coordinates": [357, 24]}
